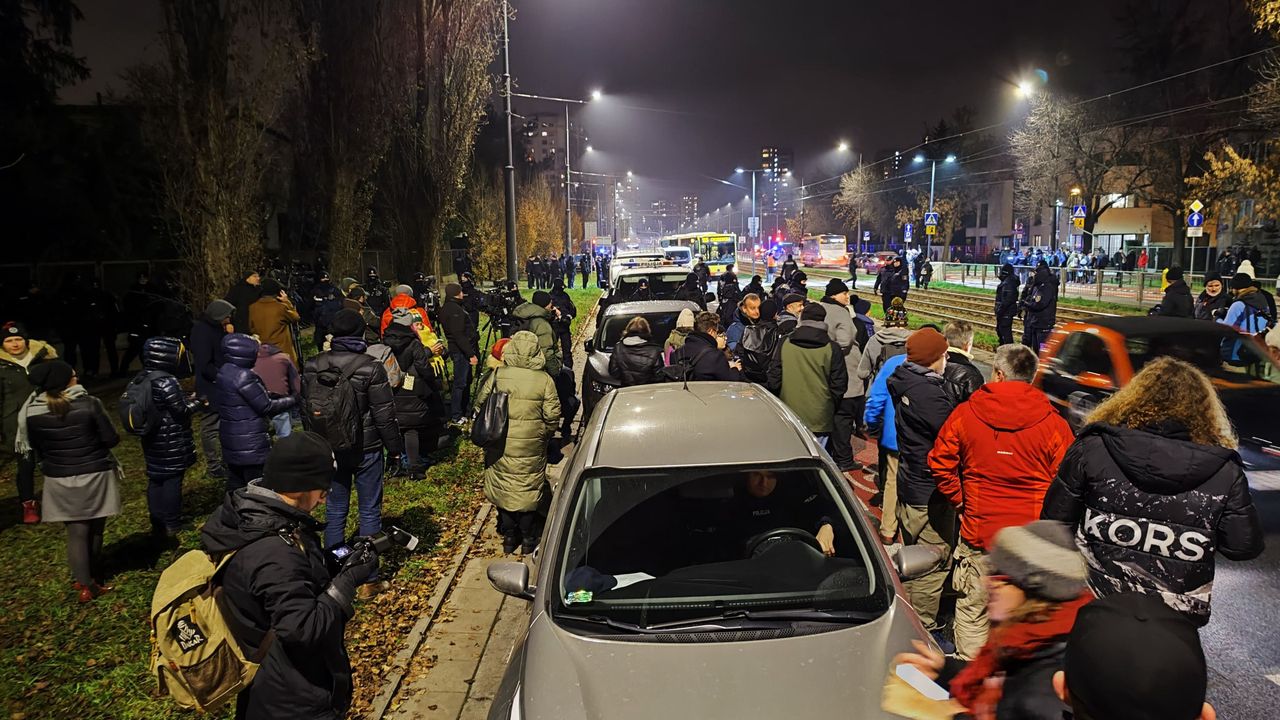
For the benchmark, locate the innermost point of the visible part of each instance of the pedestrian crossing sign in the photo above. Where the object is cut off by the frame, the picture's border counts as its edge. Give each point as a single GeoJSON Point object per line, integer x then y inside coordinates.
{"type": "Point", "coordinates": [930, 219]}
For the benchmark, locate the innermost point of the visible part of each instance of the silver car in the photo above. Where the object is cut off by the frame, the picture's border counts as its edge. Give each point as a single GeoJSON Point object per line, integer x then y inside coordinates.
{"type": "Point", "coordinates": [704, 558]}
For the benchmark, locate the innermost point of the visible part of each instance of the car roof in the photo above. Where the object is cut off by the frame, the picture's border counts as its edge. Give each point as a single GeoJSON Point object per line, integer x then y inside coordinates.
{"type": "Point", "coordinates": [1144, 325]}
{"type": "Point", "coordinates": [638, 253]}
{"type": "Point", "coordinates": [680, 270]}
{"type": "Point", "coordinates": [694, 424]}
{"type": "Point", "coordinates": [640, 307]}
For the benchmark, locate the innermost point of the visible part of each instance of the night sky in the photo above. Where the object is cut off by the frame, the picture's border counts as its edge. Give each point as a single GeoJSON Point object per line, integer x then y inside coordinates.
{"type": "Point", "coordinates": [695, 87]}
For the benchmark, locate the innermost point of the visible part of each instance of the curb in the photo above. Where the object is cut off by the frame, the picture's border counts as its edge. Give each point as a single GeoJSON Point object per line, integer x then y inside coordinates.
{"type": "Point", "coordinates": [419, 632]}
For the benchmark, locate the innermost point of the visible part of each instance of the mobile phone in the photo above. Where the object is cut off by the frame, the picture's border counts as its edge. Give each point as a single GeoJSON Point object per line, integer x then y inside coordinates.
{"type": "Point", "coordinates": [912, 676]}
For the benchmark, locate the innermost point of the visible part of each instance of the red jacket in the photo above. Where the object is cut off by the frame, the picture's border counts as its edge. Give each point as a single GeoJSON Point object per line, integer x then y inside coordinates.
{"type": "Point", "coordinates": [996, 456]}
{"type": "Point", "coordinates": [402, 301]}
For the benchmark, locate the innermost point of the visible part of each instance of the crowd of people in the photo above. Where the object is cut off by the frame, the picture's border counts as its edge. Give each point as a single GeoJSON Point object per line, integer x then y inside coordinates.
{"type": "Point", "coordinates": [542, 272]}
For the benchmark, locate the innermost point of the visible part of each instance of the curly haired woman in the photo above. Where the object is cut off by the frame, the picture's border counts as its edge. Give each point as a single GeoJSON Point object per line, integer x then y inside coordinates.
{"type": "Point", "coordinates": [1154, 487]}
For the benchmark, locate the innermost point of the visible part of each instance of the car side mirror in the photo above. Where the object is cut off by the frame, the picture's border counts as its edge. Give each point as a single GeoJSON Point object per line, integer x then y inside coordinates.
{"type": "Point", "coordinates": [511, 578]}
{"type": "Point", "coordinates": [589, 346]}
{"type": "Point", "coordinates": [912, 561]}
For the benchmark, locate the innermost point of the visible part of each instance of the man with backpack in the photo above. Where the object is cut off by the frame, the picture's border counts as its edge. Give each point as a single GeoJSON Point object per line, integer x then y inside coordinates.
{"type": "Point", "coordinates": [702, 355]}
{"type": "Point", "coordinates": [843, 332]}
{"type": "Point", "coordinates": [279, 596]}
{"type": "Point", "coordinates": [348, 401]}
{"type": "Point", "coordinates": [808, 373]}
{"type": "Point", "coordinates": [758, 344]}
{"type": "Point", "coordinates": [886, 343]}
{"type": "Point", "coordinates": [748, 314]}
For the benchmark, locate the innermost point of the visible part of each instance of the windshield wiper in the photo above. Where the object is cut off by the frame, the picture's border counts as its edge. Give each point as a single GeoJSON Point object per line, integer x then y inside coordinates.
{"type": "Point", "coordinates": [851, 617]}
{"type": "Point", "coordinates": [608, 622]}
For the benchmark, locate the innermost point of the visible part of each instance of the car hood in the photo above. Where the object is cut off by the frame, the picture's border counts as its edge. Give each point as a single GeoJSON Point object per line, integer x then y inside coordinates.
{"type": "Point", "coordinates": [828, 674]}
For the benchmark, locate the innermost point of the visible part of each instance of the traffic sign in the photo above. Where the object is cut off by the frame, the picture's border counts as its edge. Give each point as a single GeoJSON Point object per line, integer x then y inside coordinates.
{"type": "Point", "coordinates": [1195, 219]}
{"type": "Point", "coordinates": [930, 219]}
{"type": "Point", "coordinates": [930, 229]}
{"type": "Point", "coordinates": [1078, 222]}
{"type": "Point", "coordinates": [1195, 231]}
{"type": "Point", "coordinates": [1196, 206]}
{"type": "Point", "coordinates": [753, 225]}
{"type": "Point", "coordinates": [1078, 212]}
{"type": "Point", "coordinates": [906, 234]}
{"type": "Point", "coordinates": [866, 236]}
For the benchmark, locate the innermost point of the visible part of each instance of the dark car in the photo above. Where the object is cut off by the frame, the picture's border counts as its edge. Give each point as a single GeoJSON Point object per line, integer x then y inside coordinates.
{"type": "Point", "coordinates": [1085, 362]}
{"type": "Point", "coordinates": [596, 380]}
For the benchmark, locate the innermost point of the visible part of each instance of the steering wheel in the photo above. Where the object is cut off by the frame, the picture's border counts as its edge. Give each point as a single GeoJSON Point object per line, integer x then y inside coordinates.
{"type": "Point", "coordinates": [759, 544]}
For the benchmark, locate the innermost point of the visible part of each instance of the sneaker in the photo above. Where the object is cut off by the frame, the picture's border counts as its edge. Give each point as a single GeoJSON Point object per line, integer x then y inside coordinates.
{"type": "Point", "coordinates": [30, 512]}
{"type": "Point", "coordinates": [944, 643]}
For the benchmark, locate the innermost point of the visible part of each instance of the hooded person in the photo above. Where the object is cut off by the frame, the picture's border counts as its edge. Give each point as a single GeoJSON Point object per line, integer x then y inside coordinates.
{"type": "Point", "coordinates": [1006, 303]}
{"type": "Point", "coordinates": [809, 373]}
{"type": "Point", "coordinates": [636, 359]}
{"type": "Point", "coordinates": [755, 286]}
{"type": "Point", "coordinates": [889, 341]}
{"type": "Point", "coordinates": [843, 331]}
{"type": "Point", "coordinates": [536, 316]}
{"type": "Point", "coordinates": [19, 355]}
{"type": "Point", "coordinates": [169, 449]}
{"type": "Point", "coordinates": [1177, 296]}
{"type": "Point", "coordinates": [1214, 300]}
{"type": "Point", "coordinates": [283, 587]}
{"type": "Point", "coordinates": [244, 409]}
{"type": "Point", "coordinates": [863, 322]}
{"type": "Point", "coordinates": [691, 290]}
{"type": "Point", "coordinates": [244, 293]}
{"type": "Point", "coordinates": [207, 332]}
{"type": "Point", "coordinates": [684, 326]}
{"type": "Point", "coordinates": [1040, 307]}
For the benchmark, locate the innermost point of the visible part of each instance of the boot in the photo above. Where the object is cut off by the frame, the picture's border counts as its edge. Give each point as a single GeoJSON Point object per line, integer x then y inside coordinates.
{"type": "Point", "coordinates": [87, 593]}
{"type": "Point", "coordinates": [30, 512]}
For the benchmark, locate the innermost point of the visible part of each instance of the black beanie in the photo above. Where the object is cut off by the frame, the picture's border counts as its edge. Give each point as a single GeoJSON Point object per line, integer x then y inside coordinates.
{"type": "Point", "coordinates": [814, 312]}
{"type": "Point", "coordinates": [347, 323]}
{"type": "Point", "coordinates": [1240, 281]}
{"type": "Point", "coordinates": [51, 377]}
{"type": "Point", "coordinates": [769, 309]}
{"type": "Point", "coordinates": [542, 298]}
{"type": "Point", "coordinates": [1175, 273]}
{"type": "Point", "coordinates": [835, 286]}
{"type": "Point", "coordinates": [13, 328]}
{"type": "Point", "coordinates": [269, 288]}
{"type": "Point", "coordinates": [301, 462]}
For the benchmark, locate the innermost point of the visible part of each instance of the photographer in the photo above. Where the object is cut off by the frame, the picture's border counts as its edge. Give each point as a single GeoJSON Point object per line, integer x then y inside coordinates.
{"type": "Point", "coordinates": [464, 344]}
{"type": "Point", "coordinates": [537, 317]}
{"type": "Point", "coordinates": [279, 589]}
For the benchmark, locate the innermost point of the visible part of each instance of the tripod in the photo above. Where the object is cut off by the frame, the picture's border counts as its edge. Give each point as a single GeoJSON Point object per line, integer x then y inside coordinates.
{"type": "Point", "coordinates": [490, 334]}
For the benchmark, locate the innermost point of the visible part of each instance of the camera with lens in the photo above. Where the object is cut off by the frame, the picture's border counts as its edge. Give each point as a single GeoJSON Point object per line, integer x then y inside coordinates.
{"type": "Point", "coordinates": [382, 541]}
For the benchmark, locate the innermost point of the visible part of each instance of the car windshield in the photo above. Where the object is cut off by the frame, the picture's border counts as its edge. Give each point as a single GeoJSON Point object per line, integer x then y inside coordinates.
{"type": "Point", "coordinates": [1221, 356]}
{"type": "Point", "coordinates": [661, 548]}
{"type": "Point", "coordinates": [661, 286]}
{"type": "Point", "coordinates": [660, 326]}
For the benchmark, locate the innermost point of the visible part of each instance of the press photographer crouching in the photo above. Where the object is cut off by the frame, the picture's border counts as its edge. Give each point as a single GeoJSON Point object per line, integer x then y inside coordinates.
{"type": "Point", "coordinates": [281, 587]}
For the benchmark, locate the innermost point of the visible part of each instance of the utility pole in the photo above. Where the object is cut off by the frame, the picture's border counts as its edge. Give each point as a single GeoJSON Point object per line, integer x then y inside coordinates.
{"type": "Point", "coordinates": [568, 212]}
{"type": "Point", "coordinates": [509, 170]}
{"type": "Point", "coordinates": [928, 239]}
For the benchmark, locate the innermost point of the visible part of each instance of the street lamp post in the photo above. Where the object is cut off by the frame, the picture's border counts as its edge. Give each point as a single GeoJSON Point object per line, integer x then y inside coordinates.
{"type": "Point", "coordinates": [509, 170]}
{"type": "Point", "coordinates": [753, 227]}
{"type": "Point", "coordinates": [933, 174]}
{"type": "Point", "coordinates": [568, 213]}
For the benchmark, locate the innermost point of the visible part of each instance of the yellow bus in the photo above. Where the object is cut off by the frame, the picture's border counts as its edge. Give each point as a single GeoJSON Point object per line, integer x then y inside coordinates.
{"type": "Point", "coordinates": [717, 250]}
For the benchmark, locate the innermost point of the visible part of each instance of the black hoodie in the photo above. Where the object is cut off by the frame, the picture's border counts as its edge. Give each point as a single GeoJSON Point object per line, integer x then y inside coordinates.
{"type": "Point", "coordinates": [277, 581]}
{"type": "Point", "coordinates": [1007, 292]}
{"type": "Point", "coordinates": [1177, 300]}
{"type": "Point", "coordinates": [1150, 508]}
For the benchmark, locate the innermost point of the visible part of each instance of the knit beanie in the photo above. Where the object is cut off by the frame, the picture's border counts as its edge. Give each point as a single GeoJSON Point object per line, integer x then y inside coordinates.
{"type": "Point", "coordinates": [347, 323]}
{"type": "Point", "coordinates": [814, 312]}
{"type": "Point", "coordinates": [452, 290]}
{"type": "Point", "coordinates": [1246, 267]}
{"type": "Point", "coordinates": [1211, 276]}
{"type": "Point", "coordinates": [1174, 273]}
{"type": "Point", "coordinates": [835, 286]}
{"type": "Point", "coordinates": [896, 314]}
{"type": "Point", "coordinates": [51, 377]}
{"type": "Point", "coordinates": [542, 298]}
{"type": "Point", "coordinates": [925, 346]}
{"type": "Point", "coordinates": [792, 298]}
{"type": "Point", "coordinates": [769, 309]}
{"type": "Point", "coordinates": [1040, 558]}
{"type": "Point", "coordinates": [799, 276]}
{"type": "Point", "coordinates": [404, 316]}
{"type": "Point", "coordinates": [301, 462]}
{"type": "Point", "coordinates": [498, 347]}
{"type": "Point", "coordinates": [13, 328]}
{"type": "Point", "coordinates": [1240, 281]}
{"type": "Point", "coordinates": [684, 320]}
{"type": "Point", "coordinates": [269, 288]}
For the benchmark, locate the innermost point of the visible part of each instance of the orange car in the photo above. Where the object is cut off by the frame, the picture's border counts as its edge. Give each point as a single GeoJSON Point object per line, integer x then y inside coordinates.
{"type": "Point", "coordinates": [1084, 362]}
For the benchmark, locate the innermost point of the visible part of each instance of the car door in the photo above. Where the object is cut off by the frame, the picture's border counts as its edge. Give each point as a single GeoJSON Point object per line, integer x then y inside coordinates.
{"type": "Point", "coordinates": [1080, 376]}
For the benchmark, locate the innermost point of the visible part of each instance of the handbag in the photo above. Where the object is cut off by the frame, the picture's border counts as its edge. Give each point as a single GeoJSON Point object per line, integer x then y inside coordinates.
{"type": "Point", "coordinates": [489, 429]}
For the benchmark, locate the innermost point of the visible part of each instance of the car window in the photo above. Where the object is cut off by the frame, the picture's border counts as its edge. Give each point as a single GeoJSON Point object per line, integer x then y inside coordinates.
{"type": "Point", "coordinates": [1220, 355]}
{"type": "Point", "coordinates": [610, 331]}
{"type": "Point", "coordinates": [1084, 352]}
{"type": "Point", "coordinates": [661, 286]}
{"type": "Point", "coordinates": [678, 545]}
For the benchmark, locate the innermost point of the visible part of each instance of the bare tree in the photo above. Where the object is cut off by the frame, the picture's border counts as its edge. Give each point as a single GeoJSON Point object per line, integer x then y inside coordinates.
{"type": "Point", "coordinates": [865, 197]}
{"type": "Point", "coordinates": [209, 108]}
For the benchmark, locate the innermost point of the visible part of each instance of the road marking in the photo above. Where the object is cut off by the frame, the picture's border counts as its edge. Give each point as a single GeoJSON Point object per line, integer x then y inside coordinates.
{"type": "Point", "coordinates": [1273, 678]}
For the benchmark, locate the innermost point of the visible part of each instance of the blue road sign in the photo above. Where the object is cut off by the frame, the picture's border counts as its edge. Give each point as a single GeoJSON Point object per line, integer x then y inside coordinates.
{"type": "Point", "coordinates": [1195, 219]}
{"type": "Point", "coordinates": [931, 218]}
{"type": "Point", "coordinates": [1078, 211]}
{"type": "Point", "coordinates": [866, 236]}
{"type": "Point", "coordinates": [906, 235]}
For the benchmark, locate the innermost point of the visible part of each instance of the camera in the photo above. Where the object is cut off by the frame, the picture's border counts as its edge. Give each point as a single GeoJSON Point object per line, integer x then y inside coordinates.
{"type": "Point", "coordinates": [382, 541]}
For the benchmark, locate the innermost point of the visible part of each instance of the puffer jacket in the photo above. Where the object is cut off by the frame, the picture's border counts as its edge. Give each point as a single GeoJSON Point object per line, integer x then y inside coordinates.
{"type": "Point", "coordinates": [1150, 508]}
{"type": "Point", "coordinates": [809, 375]}
{"type": "Point", "coordinates": [962, 376]}
{"type": "Point", "coordinates": [844, 334]}
{"type": "Point", "coordinates": [78, 443]}
{"type": "Point", "coordinates": [272, 320]}
{"type": "Point", "coordinates": [277, 581]}
{"type": "Point", "coordinates": [878, 414]}
{"type": "Point", "coordinates": [372, 389]}
{"type": "Point", "coordinates": [635, 361]}
{"type": "Point", "coordinates": [418, 402]}
{"type": "Point", "coordinates": [169, 449]}
{"type": "Point", "coordinates": [920, 405]}
{"type": "Point", "coordinates": [1007, 293]}
{"type": "Point", "coordinates": [244, 404]}
{"type": "Point", "coordinates": [996, 456]}
{"type": "Point", "coordinates": [15, 389]}
{"type": "Point", "coordinates": [402, 302]}
{"type": "Point", "coordinates": [516, 482]}
{"type": "Point", "coordinates": [1041, 300]}
{"type": "Point", "coordinates": [537, 320]}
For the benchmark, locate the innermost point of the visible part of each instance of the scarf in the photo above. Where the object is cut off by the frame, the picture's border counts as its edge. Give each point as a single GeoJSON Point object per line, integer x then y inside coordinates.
{"type": "Point", "coordinates": [973, 686]}
{"type": "Point", "coordinates": [38, 404]}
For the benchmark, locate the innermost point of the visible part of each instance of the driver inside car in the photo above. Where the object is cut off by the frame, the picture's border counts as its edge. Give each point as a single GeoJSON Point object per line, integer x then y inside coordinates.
{"type": "Point", "coordinates": [763, 504]}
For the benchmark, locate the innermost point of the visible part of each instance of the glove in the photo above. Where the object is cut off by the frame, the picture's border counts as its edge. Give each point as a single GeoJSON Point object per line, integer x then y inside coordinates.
{"type": "Point", "coordinates": [356, 568]}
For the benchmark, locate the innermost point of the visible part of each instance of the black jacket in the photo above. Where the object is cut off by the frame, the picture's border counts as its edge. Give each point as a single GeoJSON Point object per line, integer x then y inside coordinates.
{"type": "Point", "coordinates": [757, 348]}
{"type": "Point", "coordinates": [1206, 304]}
{"type": "Point", "coordinates": [420, 405]}
{"type": "Point", "coordinates": [708, 360]}
{"type": "Point", "coordinates": [690, 291]}
{"type": "Point", "coordinates": [242, 295]}
{"type": "Point", "coordinates": [1041, 300]}
{"type": "Point", "coordinates": [1151, 508]}
{"type": "Point", "coordinates": [1027, 690]}
{"type": "Point", "coordinates": [894, 282]}
{"type": "Point", "coordinates": [1177, 300]}
{"type": "Point", "coordinates": [962, 376]}
{"type": "Point", "coordinates": [1007, 295]}
{"type": "Point", "coordinates": [277, 581]}
{"type": "Point", "coordinates": [459, 329]}
{"type": "Point", "coordinates": [79, 442]}
{"type": "Point", "coordinates": [373, 392]}
{"type": "Point", "coordinates": [206, 354]}
{"type": "Point", "coordinates": [635, 361]}
{"type": "Point", "coordinates": [788, 267]}
{"type": "Point", "coordinates": [921, 405]}
{"type": "Point", "coordinates": [169, 448]}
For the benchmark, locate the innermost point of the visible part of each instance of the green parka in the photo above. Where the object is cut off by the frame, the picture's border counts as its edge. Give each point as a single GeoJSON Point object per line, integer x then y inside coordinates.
{"type": "Point", "coordinates": [539, 323]}
{"type": "Point", "coordinates": [15, 388]}
{"type": "Point", "coordinates": [517, 481]}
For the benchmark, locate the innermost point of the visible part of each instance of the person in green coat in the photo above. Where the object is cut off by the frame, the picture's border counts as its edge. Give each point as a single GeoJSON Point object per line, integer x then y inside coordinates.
{"type": "Point", "coordinates": [516, 482]}
{"type": "Point", "coordinates": [536, 317]}
{"type": "Point", "coordinates": [17, 357]}
{"type": "Point", "coordinates": [808, 373]}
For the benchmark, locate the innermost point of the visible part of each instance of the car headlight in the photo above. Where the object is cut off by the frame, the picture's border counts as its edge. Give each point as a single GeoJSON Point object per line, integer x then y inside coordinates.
{"type": "Point", "coordinates": [601, 388]}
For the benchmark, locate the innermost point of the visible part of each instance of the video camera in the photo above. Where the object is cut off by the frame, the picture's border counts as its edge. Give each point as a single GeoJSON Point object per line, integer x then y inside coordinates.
{"type": "Point", "coordinates": [500, 301]}
{"type": "Point", "coordinates": [382, 541]}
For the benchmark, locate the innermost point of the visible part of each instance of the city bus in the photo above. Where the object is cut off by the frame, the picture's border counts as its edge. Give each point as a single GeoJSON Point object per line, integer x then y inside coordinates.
{"type": "Point", "coordinates": [828, 250]}
{"type": "Point", "coordinates": [716, 249]}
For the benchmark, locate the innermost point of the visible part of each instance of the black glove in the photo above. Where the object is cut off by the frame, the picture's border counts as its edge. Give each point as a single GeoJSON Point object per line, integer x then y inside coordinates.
{"type": "Point", "coordinates": [356, 568]}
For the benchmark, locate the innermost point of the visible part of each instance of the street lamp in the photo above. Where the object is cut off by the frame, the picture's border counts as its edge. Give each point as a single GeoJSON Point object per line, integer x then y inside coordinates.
{"type": "Point", "coordinates": [596, 94]}
{"type": "Point", "coordinates": [1026, 89]}
{"type": "Point", "coordinates": [843, 146]}
{"type": "Point", "coordinates": [754, 225]}
{"type": "Point", "coordinates": [933, 173]}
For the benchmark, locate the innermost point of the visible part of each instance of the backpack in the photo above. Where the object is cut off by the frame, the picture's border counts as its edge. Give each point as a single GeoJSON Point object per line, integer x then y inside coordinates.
{"type": "Point", "coordinates": [332, 408]}
{"type": "Point", "coordinates": [383, 355]}
{"type": "Point", "coordinates": [680, 370]}
{"type": "Point", "coordinates": [138, 412]}
{"type": "Point", "coordinates": [755, 350]}
{"type": "Point", "coordinates": [887, 350]}
{"type": "Point", "coordinates": [195, 655]}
